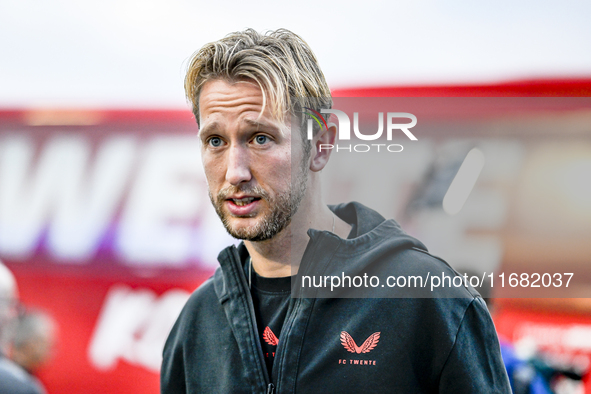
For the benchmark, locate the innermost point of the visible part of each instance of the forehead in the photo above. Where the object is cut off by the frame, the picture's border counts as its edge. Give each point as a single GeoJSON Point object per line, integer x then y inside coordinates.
{"type": "Point", "coordinates": [225, 101]}
{"type": "Point", "coordinates": [221, 94]}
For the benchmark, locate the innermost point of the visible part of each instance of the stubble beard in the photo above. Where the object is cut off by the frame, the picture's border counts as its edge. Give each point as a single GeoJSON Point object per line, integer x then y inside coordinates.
{"type": "Point", "coordinates": [282, 207]}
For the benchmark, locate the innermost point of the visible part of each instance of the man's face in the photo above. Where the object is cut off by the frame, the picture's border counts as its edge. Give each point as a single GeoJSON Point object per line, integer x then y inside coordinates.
{"type": "Point", "coordinates": [247, 160]}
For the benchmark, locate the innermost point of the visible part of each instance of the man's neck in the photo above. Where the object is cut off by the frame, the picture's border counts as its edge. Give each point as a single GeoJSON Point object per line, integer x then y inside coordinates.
{"type": "Point", "coordinates": [281, 255]}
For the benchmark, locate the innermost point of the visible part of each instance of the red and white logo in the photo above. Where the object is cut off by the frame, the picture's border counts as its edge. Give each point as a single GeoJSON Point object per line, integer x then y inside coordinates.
{"type": "Point", "coordinates": [367, 346]}
{"type": "Point", "coordinates": [270, 337]}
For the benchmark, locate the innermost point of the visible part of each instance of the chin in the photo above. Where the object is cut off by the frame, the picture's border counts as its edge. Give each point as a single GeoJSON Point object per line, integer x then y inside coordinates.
{"type": "Point", "coordinates": [242, 228]}
{"type": "Point", "coordinates": [255, 230]}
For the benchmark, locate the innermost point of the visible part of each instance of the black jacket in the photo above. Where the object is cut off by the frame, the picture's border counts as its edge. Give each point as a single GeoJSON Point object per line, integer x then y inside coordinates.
{"type": "Point", "coordinates": [15, 380]}
{"type": "Point", "coordinates": [339, 345]}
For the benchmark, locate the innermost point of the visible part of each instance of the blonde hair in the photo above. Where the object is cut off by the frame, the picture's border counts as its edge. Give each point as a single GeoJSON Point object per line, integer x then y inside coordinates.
{"type": "Point", "coordinates": [280, 62]}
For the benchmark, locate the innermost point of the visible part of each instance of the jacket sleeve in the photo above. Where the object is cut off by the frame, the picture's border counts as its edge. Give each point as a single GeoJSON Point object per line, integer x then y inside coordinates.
{"type": "Point", "coordinates": [474, 364]}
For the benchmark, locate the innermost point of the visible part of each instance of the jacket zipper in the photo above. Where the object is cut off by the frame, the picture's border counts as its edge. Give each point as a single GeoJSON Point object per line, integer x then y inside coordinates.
{"type": "Point", "coordinates": [258, 342]}
{"type": "Point", "coordinates": [292, 313]}
{"type": "Point", "coordinates": [285, 333]}
{"type": "Point", "coordinates": [254, 327]}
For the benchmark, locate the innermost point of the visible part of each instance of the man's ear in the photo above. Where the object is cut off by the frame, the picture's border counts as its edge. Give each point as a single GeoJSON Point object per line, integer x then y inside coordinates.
{"type": "Point", "coordinates": [323, 144]}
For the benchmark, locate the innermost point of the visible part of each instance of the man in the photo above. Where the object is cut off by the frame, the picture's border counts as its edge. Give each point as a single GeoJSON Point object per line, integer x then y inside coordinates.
{"type": "Point", "coordinates": [13, 379]}
{"type": "Point", "coordinates": [242, 331]}
{"type": "Point", "coordinates": [33, 340]}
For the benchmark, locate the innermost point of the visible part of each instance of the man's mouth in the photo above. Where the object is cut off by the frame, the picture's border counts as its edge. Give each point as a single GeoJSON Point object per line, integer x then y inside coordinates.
{"type": "Point", "coordinates": [243, 201]}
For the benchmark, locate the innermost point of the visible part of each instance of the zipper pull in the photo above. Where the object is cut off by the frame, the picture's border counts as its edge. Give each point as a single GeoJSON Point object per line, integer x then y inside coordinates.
{"type": "Point", "coordinates": [270, 389]}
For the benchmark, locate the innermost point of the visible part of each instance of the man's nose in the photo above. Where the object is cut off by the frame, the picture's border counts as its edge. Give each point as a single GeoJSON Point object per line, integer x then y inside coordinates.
{"type": "Point", "coordinates": [238, 170]}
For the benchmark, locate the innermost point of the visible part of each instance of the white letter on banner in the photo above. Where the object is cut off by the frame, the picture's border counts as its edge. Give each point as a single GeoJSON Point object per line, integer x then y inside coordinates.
{"type": "Point", "coordinates": [133, 325]}
{"type": "Point", "coordinates": [87, 205]}
{"type": "Point", "coordinates": [158, 221]}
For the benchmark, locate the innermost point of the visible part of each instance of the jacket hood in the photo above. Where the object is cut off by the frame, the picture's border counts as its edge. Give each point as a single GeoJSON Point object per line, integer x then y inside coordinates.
{"type": "Point", "coordinates": [368, 226]}
{"type": "Point", "coordinates": [372, 238]}
{"type": "Point", "coordinates": [375, 247]}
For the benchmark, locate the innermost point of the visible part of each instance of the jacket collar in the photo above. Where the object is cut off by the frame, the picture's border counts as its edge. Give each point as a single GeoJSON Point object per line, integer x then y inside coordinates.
{"type": "Point", "coordinates": [372, 234]}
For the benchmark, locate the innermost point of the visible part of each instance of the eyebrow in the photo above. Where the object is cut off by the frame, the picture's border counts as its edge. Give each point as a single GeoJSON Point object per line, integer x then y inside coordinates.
{"type": "Point", "coordinates": [212, 127]}
{"type": "Point", "coordinates": [208, 128]}
{"type": "Point", "coordinates": [260, 125]}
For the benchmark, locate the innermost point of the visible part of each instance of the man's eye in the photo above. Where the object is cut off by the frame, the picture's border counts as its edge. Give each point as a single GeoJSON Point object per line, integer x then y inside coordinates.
{"type": "Point", "coordinates": [261, 139]}
{"type": "Point", "coordinates": [215, 141]}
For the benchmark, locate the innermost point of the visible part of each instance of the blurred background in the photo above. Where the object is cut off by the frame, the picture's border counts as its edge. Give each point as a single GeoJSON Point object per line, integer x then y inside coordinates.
{"type": "Point", "coordinates": [104, 216]}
